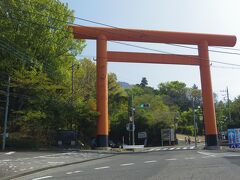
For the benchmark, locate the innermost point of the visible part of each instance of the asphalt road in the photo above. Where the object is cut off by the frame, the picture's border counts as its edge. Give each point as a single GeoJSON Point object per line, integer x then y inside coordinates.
{"type": "Point", "coordinates": [14, 163]}
{"type": "Point", "coordinates": [161, 165]}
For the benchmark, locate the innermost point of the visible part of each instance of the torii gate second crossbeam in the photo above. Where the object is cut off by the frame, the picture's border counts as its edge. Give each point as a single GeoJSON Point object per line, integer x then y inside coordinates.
{"type": "Point", "coordinates": [102, 35]}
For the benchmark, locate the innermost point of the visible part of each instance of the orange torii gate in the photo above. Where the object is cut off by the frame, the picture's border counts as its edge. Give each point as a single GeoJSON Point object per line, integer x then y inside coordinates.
{"type": "Point", "coordinates": [102, 35]}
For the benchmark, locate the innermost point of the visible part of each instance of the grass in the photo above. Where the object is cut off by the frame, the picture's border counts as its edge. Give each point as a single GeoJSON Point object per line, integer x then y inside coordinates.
{"type": "Point", "coordinates": [182, 137]}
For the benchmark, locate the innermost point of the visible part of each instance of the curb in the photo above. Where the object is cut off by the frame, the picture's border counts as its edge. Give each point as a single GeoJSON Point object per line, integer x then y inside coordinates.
{"type": "Point", "coordinates": [52, 167]}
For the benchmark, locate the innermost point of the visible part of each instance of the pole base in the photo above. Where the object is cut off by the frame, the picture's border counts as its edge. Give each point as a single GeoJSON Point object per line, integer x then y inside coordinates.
{"type": "Point", "coordinates": [102, 140]}
{"type": "Point", "coordinates": [212, 141]}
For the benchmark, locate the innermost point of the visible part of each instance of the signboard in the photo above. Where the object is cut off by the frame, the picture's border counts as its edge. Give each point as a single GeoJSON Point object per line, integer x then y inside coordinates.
{"type": "Point", "coordinates": [142, 135]}
{"type": "Point", "coordinates": [234, 138]}
{"type": "Point", "coordinates": [167, 134]}
{"type": "Point", "coordinates": [130, 127]}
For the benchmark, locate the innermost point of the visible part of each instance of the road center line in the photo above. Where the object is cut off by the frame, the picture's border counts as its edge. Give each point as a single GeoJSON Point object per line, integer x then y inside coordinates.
{"type": "Point", "coordinates": [190, 158]}
{"type": "Point", "coordinates": [74, 172]}
{"type": "Point", "coordinates": [173, 159]}
{"type": "Point", "coordinates": [104, 167]}
{"type": "Point", "coordinates": [128, 164]}
{"type": "Point", "coordinates": [44, 177]}
{"type": "Point", "coordinates": [150, 161]}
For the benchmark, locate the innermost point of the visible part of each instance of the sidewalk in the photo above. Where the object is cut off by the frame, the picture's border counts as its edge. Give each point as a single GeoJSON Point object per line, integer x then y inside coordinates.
{"type": "Point", "coordinates": [14, 164]}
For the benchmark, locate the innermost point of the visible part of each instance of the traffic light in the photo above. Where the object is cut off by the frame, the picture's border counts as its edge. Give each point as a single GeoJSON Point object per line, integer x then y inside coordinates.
{"type": "Point", "coordinates": [144, 105]}
{"type": "Point", "coordinates": [132, 111]}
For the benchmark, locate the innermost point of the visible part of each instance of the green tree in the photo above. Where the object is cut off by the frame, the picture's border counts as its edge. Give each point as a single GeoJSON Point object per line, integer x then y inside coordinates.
{"type": "Point", "coordinates": [37, 50]}
{"type": "Point", "coordinates": [144, 82]}
{"type": "Point", "coordinates": [175, 92]}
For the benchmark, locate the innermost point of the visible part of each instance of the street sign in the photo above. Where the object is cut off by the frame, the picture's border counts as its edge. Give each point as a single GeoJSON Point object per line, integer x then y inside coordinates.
{"type": "Point", "coordinates": [234, 138]}
{"type": "Point", "coordinates": [131, 118]}
{"type": "Point", "coordinates": [167, 134]}
{"type": "Point", "coordinates": [130, 127]}
{"type": "Point", "coordinates": [142, 135]}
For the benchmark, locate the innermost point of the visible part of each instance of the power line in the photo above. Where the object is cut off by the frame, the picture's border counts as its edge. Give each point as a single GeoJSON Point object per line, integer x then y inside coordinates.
{"type": "Point", "coordinates": [127, 44]}
{"type": "Point", "coordinates": [111, 26]}
{"type": "Point", "coordinates": [182, 46]}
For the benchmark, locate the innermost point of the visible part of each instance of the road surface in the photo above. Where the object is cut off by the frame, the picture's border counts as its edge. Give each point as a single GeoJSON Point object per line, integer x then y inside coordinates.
{"type": "Point", "coordinates": [159, 165]}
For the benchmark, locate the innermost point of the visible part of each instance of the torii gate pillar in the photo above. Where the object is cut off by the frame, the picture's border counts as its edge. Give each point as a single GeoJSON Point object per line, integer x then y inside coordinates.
{"type": "Point", "coordinates": [102, 92]}
{"type": "Point", "coordinates": [207, 95]}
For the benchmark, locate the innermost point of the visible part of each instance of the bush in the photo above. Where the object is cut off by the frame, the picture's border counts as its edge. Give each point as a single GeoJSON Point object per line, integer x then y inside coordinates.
{"type": "Point", "coordinates": [188, 130]}
{"type": "Point", "coordinates": [23, 143]}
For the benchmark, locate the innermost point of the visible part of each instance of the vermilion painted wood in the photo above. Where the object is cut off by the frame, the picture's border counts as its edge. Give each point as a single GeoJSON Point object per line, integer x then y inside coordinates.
{"type": "Point", "coordinates": [102, 35]}
{"type": "Point", "coordinates": [117, 34]}
{"type": "Point", "coordinates": [152, 58]}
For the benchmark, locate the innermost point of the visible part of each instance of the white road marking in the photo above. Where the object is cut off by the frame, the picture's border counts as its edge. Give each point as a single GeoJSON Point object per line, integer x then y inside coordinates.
{"type": "Point", "coordinates": [150, 161]}
{"type": "Point", "coordinates": [185, 147]}
{"type": "Point", "coordinates": [77, 171]}
{"type": "Point", "coordinates": [6, 160]}
{"type": "Point", "coordinates": [44, 177]}
{"type": "Point", "coordinates": [204, 157]}
{"type": "Point", "coordinates": [158, 149]}
{"type": "Point", "coordinates": [74, 172]}
{"type": "Point", "coordinates": [206, 154]}
{"type": "Point", "coordinates": [128, 164]}
{"type": "Point", "coordinates": [9, 153]}
{"type": "Point", "coordinates": [55, 155]}
{"type": "Point", "coordinates": [173, 159]}
{"type": "Point", "coordinates": [178, 148]}
{"type": "Point", "coordinates": [190, 158]}
{"type": "Point", "coordinates": [151, 149]}
{"type": "Point", "coordinates": [104, 167]}
{"type": "Point", "coordinates": [192, 147]}
{"type": "Point", "coordinates": [164, 149]}
{"type": "Point", "coordinates": [172, 148]}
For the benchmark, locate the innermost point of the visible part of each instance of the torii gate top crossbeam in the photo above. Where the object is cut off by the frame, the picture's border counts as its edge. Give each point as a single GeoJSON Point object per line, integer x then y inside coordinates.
{"type": "Point", "coordinates": [118, 34]}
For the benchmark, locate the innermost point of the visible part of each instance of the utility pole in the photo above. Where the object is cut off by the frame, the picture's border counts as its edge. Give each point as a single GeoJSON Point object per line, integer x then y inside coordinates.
{"type": "Point", "coordinates": [194, 120]}
{"type": "Point", "coordinates": [228, 102]}
{"type": "Point", "coordinates": [72, 80]}
{"type": "Point", "coordinates": [6, 116]}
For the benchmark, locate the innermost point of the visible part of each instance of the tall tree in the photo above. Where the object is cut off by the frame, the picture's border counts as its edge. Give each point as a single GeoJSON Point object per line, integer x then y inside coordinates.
{"type": "Point", "coordinates": [144, 82]}
{"type": "Point", "coordinates": [175, 92]}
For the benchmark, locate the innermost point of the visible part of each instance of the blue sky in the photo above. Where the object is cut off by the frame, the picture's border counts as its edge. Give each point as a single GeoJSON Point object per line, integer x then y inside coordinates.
{"type": "Point", "coordinates": [215, 16]}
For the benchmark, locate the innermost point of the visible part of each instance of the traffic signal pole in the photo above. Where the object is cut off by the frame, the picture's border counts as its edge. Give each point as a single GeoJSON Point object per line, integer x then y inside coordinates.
{"type": "Point", "coordinates": [133, 125]}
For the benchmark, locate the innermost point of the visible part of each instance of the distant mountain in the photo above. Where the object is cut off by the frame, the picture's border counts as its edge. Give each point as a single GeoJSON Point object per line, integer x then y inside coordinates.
{"type": "Point", "coordinates": [124, 84]}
